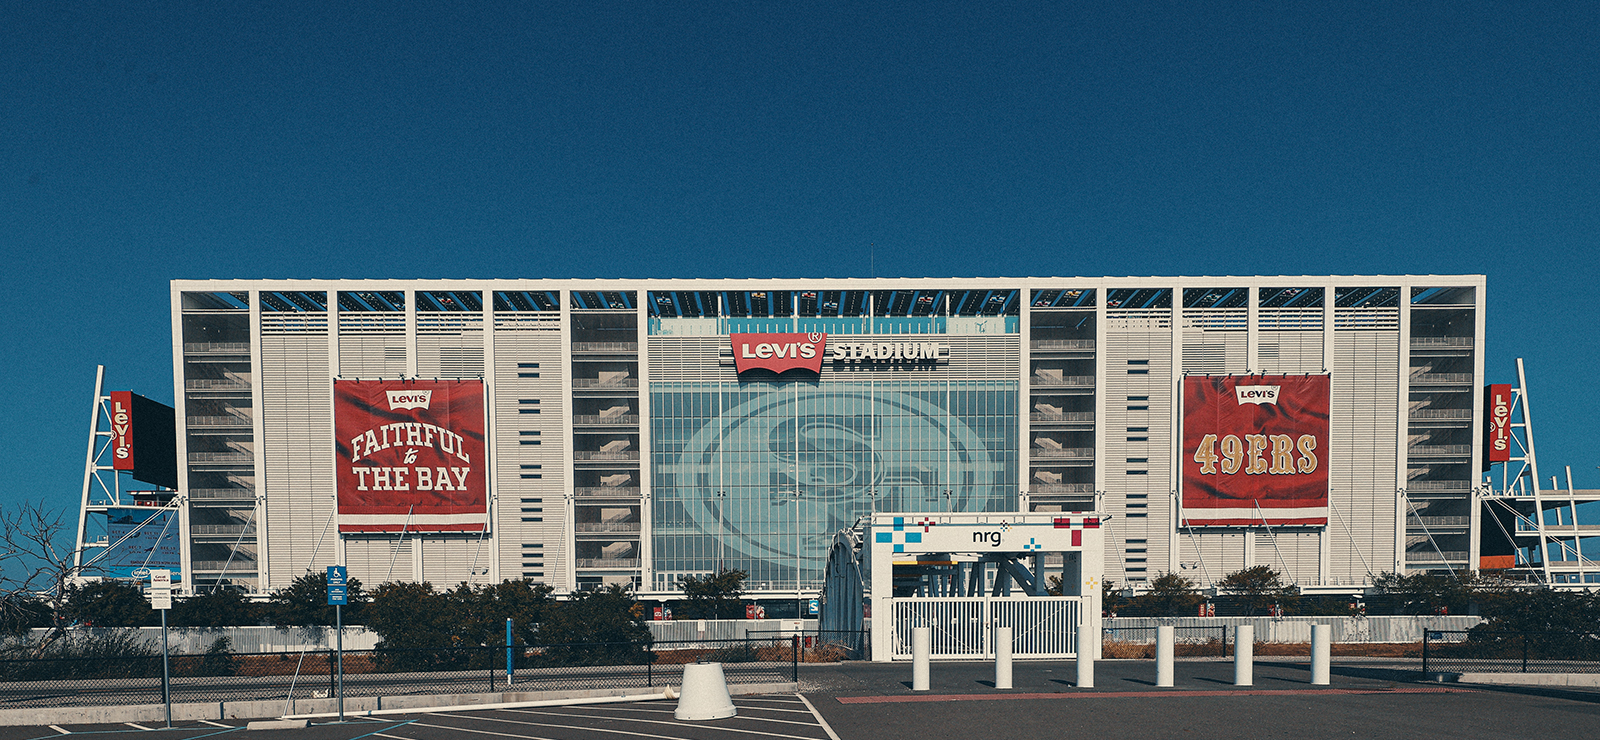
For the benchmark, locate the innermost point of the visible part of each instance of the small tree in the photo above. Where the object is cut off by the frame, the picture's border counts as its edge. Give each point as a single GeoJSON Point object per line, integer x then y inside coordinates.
{"type": "Point", "coordinates": [714, 596]}
{"type": "Point", "coordinates": [412, 616]}
{"type": "Point", "coordinates": [596, 628]}
{"type": "Point", "coordinates": [304, 602]}
{"type": "Point", "coordinates": [1257, 588]}
{"type": "Point", "coordinates": [220, 607]}
{"type": "Point", "coordinates": [1542, 610]}
{"type": "Point", "coordinates": [109, 604]}
{"type": "Point", "coordinates": [479, 612]}
{"type": "Point", "coordinates": [1425, 593]}
{"type": "Point", "coordinates": [1171, 595]}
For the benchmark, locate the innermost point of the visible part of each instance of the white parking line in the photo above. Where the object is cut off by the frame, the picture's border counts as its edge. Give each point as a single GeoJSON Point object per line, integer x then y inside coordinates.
{"type": "Point", "coordinates": [744, 717]}
{"type": "Point", "coordinates": [482, 732]}
{"type": "Point", "coordinates": [391, 737]}
{"type": "Point", "coordinates": [59, 729]}
{"type": "Point", "coordinates": [138, 727]}
{"type": "Point", "coordinates": [215, 724]}
{"type": "Point", "coordinates": [825, 726]}
{"type": "Point", "coordinates": [638, 734]}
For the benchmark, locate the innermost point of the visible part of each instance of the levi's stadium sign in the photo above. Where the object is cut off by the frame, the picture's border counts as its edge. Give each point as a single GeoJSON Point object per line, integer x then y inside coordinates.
{"type": "Point", "coordinates": [781, 353]}
{"type": "Point", "coordinates": [778, 352]}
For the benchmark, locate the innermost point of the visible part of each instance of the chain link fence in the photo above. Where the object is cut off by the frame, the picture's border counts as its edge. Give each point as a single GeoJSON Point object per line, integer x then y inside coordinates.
{"type": "Point", "coordinates": [1474, 651]}
{"type": "Point", "coordinates": [1139, 641]}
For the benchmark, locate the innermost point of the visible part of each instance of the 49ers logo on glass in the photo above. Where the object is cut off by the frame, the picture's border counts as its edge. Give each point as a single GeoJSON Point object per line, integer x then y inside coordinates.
{"type": "Point", "coordinates": [778, 352]}
{"type": "Point", "coordinates": [1255, 450]}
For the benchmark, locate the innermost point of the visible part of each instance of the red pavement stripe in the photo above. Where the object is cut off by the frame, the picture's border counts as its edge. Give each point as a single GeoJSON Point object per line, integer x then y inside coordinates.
{"type": "Point", "coordinates": [1133, 694]}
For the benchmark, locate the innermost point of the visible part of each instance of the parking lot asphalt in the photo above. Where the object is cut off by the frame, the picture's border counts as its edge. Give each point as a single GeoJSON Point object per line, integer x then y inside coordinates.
{"type": "Point", "coordinates": [874, 701]}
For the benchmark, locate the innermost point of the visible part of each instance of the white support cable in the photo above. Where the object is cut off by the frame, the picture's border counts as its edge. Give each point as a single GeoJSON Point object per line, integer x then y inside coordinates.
{"type": "Point", "coordinates": [1516, 551]}
{"type": "Point", "coordinates": [107, 550]}
{"type": "Point", "coordinates": [399, 544]}
{"type": "Point", "coordinates": [1431, 540]}
{"type": "Point", "coordinates": [1204, 572]}
{"type": "Point", "coordinates": [234, 551]}
{"type": "Point", "coordinates": [1520, 517]}
{"type": "Point", "coordinates": [1347, 533]}
{"type": "Point", "coordinates": [1274, 537]}
{"type": "Point", "coordinates": [473, 576]}
{"type": "Point", "coordinates": [318, 548]}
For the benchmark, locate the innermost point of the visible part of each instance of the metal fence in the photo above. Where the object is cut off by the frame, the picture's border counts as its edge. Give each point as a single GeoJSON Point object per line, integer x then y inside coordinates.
{"type": "Point", "coordinates": [825, 646]}
{"type": "Point", "coordinates": [1044, 627]}
{"type": "Point", "coordinates": [1472, 651]}
{"type": "Point", "coordinates": [292, 676]}
{"type": "Point", "coordinates": [1139, 641]}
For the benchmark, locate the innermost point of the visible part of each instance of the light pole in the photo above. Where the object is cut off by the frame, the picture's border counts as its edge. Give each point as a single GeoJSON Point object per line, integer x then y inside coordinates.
{"type": "Point", "coordinates": [720, 498]}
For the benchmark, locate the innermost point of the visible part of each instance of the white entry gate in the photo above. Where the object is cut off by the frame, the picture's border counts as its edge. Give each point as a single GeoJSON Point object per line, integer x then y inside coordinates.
{"type": "Point", "coordinates": [1041, 626]}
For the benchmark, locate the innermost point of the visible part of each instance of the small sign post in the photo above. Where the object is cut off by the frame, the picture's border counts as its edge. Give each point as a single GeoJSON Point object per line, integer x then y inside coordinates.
{"type": "Point", "coordinates": [161, 599]}
{"type": "Point", "coordinates": [338, 596]}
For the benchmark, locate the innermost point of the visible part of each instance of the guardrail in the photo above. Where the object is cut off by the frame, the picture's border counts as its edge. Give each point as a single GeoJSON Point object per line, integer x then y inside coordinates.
{"type": "Point", "coordinates": [595, 419]}
{"type": "Point", "coordinates": [606, 526]}
{"type": "Point", "coordinates": [1063, 417]}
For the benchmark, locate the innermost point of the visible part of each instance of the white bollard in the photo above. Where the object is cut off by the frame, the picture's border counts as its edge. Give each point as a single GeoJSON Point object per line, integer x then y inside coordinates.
{"type": "Point", "coordinates": [1321, 652]}
{"type": "Point", "coordinates": [1086, 646]}
{"type": "Point", "coordinates": [1244, 650]}
{"type": "Point", "coordinates": [1002, 657]}
{"type": "Point", "coordinates": [921, 649]}
{"type": "Point", "coordinates": [1166, 635]}
{"type": "Point", "coordinates": [705, 693]}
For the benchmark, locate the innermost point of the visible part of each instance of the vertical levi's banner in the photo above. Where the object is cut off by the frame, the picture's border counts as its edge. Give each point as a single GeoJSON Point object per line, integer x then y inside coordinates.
{"type": "Point", "coordinates": [1255, 450]}
{"type": "Point", "coordinates": [409, 455]}
{"type": "Point", "coordinates": [1497, 424]}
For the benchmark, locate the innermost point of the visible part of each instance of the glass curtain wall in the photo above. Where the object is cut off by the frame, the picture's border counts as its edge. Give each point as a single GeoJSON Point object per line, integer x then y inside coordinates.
{"type": "Point", "coordinates": [759, 476]}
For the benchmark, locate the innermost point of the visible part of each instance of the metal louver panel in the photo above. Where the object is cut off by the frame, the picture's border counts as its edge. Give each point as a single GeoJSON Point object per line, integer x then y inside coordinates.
{"type": "Point", "coordinates": [1138, 463]}
{"type": "Point", "coordinates": [370, 559]}
{"type": "Point", "coordinates": [447, 561]}
{"type": "Point", "coordinates": [1290, 352]}
{"type": "Point", "coordinates": [1364, 452]}
{"type": "Point", "coordinates": [297, 450]}
{"type": "Point", "coordinates": [528, 366]}
{"type": "Point", "coordinates": [1294, 554]}
{"type": "Point", "coordinates": [1207, 557]}
{"type": "Point", "coordinates": [454, 357]}
{"type": "Point", "coordinates": [372, 356]}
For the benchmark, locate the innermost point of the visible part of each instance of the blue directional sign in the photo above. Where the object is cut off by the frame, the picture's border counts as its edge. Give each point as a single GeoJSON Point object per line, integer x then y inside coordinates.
{"type": "Point", "coordinates": [338, 590]}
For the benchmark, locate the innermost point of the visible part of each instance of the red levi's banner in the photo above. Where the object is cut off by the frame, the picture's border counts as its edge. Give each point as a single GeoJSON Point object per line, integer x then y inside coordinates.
{"type": "Point", "coordinates": [1497, 424]}
{"type": "Point", "coordinates": [1255, 450]}
{"type": "Point", "coordinates": [122, 430]}
{"type": "Point", "coordinates": [778, 352]}
{"type": "Point", "coordinates": [409, 455]}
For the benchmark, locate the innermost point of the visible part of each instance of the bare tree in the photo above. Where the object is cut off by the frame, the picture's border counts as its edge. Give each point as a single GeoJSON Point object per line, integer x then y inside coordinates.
{"type": "Point", "coordinates": [35, 569]}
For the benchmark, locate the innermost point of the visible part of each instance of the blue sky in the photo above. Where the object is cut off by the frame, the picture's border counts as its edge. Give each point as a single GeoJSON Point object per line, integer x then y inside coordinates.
{"type": "Point", "coordinates": [144, 142]}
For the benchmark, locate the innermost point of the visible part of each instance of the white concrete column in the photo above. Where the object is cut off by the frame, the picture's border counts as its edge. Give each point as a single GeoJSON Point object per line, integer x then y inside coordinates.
{"type": "Point", "coordinates": [1321, 652]}
{"type": "Point", "coordinates": [921, 649]}
{"type": "Point", "coordinates": [1002, 657]}
{"type": "Point", "coordinates": [1244, 646]}
{"type": "Point", "coordinates": [1166, 635]}
{"type": "Point", "coordinates": [1088, 639]}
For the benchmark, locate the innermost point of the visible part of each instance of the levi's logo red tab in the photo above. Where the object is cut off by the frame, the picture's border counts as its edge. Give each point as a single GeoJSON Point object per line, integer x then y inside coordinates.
{"type": "Point", "coordinates": [778, 352]}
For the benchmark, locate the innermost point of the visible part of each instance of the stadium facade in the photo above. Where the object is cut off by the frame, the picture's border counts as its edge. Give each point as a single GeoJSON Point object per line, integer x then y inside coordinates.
{"type": "Point", "coordinates": [585, 432]}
